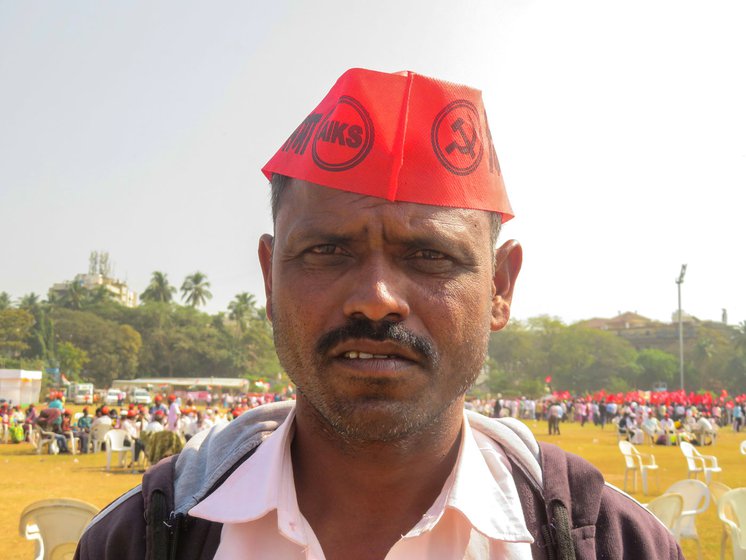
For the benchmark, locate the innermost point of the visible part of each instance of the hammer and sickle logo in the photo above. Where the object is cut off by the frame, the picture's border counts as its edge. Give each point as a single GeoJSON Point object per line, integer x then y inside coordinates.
{"type": "Point", "coordinates": [468, 145]}
{"type": "Point", "coordinates": [456, 137]}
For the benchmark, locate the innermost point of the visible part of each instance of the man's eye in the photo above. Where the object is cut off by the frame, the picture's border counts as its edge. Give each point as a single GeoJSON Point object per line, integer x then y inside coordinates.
{"type": "Point", "coordinates": [429, 255]}
{"type": "Point", "coordinates": [326, 249]}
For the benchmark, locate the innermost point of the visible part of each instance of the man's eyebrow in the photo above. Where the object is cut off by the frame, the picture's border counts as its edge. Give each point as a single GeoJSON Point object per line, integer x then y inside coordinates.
{"type": "Point", "coordinates": [299, 234]}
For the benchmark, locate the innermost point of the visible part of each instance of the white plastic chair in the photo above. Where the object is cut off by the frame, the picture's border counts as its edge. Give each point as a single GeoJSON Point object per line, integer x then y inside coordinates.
{"type": "Point", "coordinates": [634, 461]}
{"type": "Point", "coordinates": [732, 513]}
{"type": "Point", "coordinates": [652, 429]}
{"type": "Point", "coordinates": [667, 508]}
{"type": "Point", "coordinates": [40, 438]}
{"type": "Point", "coordinates": [98, 433]}
{"type": "Point", "coordinates": [717, 491]}
{"type": "Point", "coordinates": [698, 463]}
{"type": "Point", "coordinates": [72, 442]}
{"type": "Point", "coordinates": [115, 444]}
{"type": "Point", "coordinates": [56, 525]}
{"type": "Point", "coordinates": [696, 500]}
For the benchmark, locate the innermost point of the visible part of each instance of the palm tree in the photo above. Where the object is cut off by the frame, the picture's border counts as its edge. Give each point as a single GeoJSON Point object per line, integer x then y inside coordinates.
{"type": "Point", "coordinates": [242, 307]}
{"type": "Point", "coordinates": [5, 300]}
{"type": "Point", "coordinates": [195, 290]}
{"type": "Point", "coordinates": [74, 297]}
{"type": "Point", "coordinates": [159, 289]}
{"type": "Point", "coordinates": [29, 301]}
{"type": "Point", "coordinates": [100, 295]}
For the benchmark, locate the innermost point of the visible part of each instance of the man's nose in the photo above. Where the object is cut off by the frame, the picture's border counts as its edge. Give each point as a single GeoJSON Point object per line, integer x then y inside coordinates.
{"type": "Point", "coordinates": [377, 293]}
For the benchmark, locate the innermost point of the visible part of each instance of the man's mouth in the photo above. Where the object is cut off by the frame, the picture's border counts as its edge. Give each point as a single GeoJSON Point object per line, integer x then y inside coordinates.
{"type": "Point", "coordinates": [353, 355]}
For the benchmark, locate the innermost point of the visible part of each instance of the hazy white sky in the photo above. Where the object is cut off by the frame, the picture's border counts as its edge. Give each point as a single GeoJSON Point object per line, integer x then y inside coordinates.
{"type": "Point", "coordinates": [139, 128]}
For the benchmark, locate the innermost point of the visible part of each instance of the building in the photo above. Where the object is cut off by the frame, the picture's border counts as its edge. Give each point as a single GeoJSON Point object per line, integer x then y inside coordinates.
{"type": "Point", "coordinates": [644, 333]}
{"type": "Point", "coordinates": [99, 276]}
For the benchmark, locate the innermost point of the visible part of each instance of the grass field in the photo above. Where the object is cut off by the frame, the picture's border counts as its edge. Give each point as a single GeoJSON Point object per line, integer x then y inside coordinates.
{"type": "Point", "coordinates": [27, 477]}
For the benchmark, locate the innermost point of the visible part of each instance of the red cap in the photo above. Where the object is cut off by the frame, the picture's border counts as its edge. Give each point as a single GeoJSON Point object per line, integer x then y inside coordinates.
{"type": "Point", "coordinates": [159, 414]}
{"type": "Point", "coordinates": [402, 137]}
{"type": "Point", "coordinates": [172, 397]}
{"type": "Point", "coordinates": [158, 398]}
{"type": "Point", "coordinates": [104, 410]}
{"type": "Point", "coordinates": [131, 413]}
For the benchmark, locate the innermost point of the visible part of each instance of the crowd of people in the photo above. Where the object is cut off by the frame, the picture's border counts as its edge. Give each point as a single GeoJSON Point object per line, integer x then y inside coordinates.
{"type": "Point", "coordinates": [664, 417]}
{"type": "Point", "coordinates": [667, 419]}
{"type": "Point", "coordinates": [167, 413]}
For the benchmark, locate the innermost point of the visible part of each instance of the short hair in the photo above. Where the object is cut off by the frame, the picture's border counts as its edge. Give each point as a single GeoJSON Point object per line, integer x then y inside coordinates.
{"type": "Point", "coordinates": [280, 182]}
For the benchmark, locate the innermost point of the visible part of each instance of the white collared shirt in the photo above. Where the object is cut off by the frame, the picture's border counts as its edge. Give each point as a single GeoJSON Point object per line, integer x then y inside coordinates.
{"type": "Point", "coordinates": [477, 515]}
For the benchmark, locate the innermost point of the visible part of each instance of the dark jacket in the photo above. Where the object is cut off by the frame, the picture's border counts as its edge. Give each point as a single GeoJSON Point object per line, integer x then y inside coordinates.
{"type": "Point", "coordinates": [571, 514]}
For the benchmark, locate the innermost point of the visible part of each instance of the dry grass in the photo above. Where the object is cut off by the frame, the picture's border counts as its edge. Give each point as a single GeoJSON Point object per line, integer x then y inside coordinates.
{"type": "Point", "coordinates": [27, 477]}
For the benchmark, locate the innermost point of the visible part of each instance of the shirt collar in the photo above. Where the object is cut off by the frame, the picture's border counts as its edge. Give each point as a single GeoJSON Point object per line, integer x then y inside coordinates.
{"type": "Point", "coordinates": [261, 484]}
{"type": "Point", "coordinates": [481, 487]}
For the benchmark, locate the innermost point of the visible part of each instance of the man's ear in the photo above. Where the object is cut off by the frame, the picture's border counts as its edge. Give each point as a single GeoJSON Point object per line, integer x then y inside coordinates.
{"type": "Point", "coordinates": [265, 260]}
{"type": "Point", "coordinates": [508, 259]}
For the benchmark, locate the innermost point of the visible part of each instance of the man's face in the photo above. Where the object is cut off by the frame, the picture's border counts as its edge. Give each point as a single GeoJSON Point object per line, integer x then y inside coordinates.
{"type": "Point", "coordinates": [382, 311]}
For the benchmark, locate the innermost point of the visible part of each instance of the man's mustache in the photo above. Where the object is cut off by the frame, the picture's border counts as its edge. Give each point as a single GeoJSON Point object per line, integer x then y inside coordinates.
{"type": "Point", "coordinates": [381, 331]}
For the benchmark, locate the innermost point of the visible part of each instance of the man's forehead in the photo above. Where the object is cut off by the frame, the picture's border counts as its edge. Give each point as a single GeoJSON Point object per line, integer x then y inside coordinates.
{"type": "Point", "coordinates": [306, 204]}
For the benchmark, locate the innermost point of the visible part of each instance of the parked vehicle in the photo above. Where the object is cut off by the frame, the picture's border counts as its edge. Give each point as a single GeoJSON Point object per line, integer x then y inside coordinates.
{"type": "Point", "coordinates": [113, 396]}
{"type": "Point", "coordinates": [80, 393]}
{"type": "Point", "coordinates": [140, 396]}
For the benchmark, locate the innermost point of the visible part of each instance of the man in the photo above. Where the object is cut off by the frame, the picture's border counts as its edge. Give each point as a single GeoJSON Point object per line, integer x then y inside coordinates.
{"type": "Point", "coordinates": [553, 418]}
{"type": "Point", "coordinates": [174, 414]}
{"type": "Point", "coordinates": [383, 286]}
{"type": "Point", "coordinates": [102, 417]}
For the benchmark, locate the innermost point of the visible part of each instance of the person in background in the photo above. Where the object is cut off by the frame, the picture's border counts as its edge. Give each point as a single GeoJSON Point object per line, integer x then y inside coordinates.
{"type": "Point", "coordinates": [56, 401]}
{"type": "Point", "coordinates": [102, 417]}
{"type": "Point", "coordinates": [174, 413]}
{"type": "Point", "coordinates": [158, 405]}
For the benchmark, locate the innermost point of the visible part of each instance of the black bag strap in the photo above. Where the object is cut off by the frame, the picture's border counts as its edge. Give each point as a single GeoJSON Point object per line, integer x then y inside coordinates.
{"type": "Point", "coordinates": [164, 527]}
{"type": "Point", "coordinates": [547, 517]}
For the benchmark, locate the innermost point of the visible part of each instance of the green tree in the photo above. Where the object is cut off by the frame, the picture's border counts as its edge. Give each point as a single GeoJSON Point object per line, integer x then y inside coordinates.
{"type": "Point", "coordinates": [159, 289]}
{"type": "Point", "coordinates": [195, 290]}
{"type": "Point", "coordinates": [5, 301]}
{"type": "Point", "coordinates": [100, 295]}
{"type": "Point", "coordinates": [29, 302]}
{"type": "Point", "coordinates": [71, 359]}
{"type": "Point", "coordinates": [577, 358]}
{"type": "Point", "coordinates": [15, 328]}
{"type": "Point", "coordinates": [242, 308]}
{"type": "Point", "coordinates": [41, 343]}
{"type": "Point", "coordinates": [75, 296]}
{"type": "Point", "coordinates": [656, 365]}
{"type": "Point", "coordinates": [112, 348]}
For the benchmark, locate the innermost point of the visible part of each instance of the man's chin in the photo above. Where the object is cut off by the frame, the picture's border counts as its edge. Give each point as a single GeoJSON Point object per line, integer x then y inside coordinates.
{"type": "Point", "coordinates": [377, 420]}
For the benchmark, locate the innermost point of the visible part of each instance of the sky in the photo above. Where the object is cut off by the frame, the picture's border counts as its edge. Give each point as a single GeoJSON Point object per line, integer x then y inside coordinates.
{"type": "Point", "coordinates": [139, 128]}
